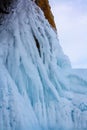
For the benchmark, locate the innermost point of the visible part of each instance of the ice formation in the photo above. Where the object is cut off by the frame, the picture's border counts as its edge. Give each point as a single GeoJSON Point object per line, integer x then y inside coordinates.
{"type": "Point", "coordinates": [39, 90]}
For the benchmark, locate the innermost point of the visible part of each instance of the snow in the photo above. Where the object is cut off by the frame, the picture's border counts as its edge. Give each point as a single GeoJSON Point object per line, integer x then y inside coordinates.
{"type": "Point", "coordinates": [38, 87]}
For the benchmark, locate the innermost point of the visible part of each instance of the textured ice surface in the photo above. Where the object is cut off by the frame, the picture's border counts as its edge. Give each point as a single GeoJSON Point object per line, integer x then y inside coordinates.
{"type": "Point", "coordinates": [38, 88]}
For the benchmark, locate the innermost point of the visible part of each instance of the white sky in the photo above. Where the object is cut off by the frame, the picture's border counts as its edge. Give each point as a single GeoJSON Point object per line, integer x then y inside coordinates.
{"type": "Point", "coordinates": [71, 20]}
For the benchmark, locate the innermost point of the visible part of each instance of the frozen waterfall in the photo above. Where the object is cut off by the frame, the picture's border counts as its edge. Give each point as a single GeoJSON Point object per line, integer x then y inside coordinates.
{"type": "Point", "coordinates": [39, 90]}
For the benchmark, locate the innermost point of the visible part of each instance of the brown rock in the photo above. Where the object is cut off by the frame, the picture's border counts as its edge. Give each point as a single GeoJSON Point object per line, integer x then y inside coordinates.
{"type": "Point", "coordinates": [44, 5]}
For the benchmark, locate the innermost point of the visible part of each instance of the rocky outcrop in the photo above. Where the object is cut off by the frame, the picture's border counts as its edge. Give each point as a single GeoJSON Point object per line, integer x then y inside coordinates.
{"type": "Point", "coordinates": [44, 5]}
{"type": "Point", "coordinates": [4, 5]}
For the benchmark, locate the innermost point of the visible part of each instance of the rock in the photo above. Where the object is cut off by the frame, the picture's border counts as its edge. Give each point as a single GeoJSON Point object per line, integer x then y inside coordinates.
{"type": "Point", "coordinates": [44, 5]}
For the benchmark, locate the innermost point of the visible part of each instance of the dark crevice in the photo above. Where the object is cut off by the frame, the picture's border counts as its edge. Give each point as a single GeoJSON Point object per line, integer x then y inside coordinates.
{"type": "Point", "coordinates": [37, 45]}
{"type": "Point", "coordinates": [4, 11]}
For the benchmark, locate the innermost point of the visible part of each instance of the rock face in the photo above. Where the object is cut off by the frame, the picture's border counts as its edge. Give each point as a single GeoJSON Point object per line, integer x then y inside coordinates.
{"type": "Point", "coordinates": [4, 4]}
{"type": "Point", "coordinates": [44, 5]}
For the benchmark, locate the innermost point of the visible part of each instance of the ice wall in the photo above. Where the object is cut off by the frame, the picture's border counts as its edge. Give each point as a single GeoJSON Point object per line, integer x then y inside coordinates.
{"type": "Point", "coordinates": [38, 87]}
